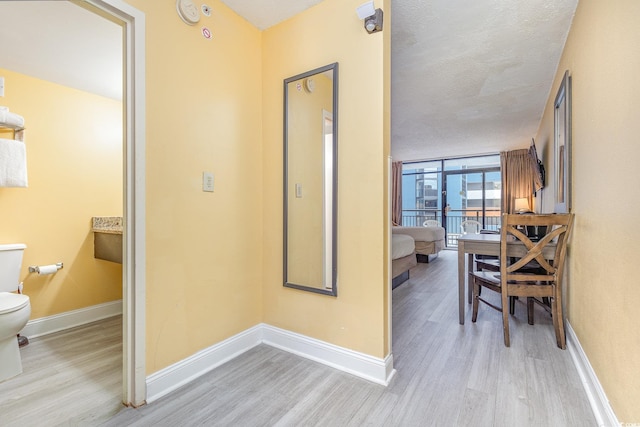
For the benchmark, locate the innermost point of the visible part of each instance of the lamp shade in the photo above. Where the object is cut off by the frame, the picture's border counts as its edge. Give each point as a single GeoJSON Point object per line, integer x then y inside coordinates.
{"type": "Point", "coordinates": [522, 204]}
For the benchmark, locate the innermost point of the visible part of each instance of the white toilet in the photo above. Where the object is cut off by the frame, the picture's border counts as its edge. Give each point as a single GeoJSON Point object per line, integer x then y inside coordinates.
{"type": "Point", "coordinates": [15, 309]}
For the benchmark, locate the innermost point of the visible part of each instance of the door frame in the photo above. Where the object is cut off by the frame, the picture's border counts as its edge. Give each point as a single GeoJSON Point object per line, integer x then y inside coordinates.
{"type": "Point", "coordinates": [134, 250]}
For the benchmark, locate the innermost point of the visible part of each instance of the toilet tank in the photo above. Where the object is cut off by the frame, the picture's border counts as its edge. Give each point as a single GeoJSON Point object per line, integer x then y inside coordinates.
{"type": "Point", "coordinates": [10, 265]}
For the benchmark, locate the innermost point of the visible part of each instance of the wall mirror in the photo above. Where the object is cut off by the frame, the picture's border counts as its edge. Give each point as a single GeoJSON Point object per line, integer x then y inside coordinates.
{"type": "Point", "coordinates": [562, 146]}
{"type": "Point", "coordinates": [310, 180]}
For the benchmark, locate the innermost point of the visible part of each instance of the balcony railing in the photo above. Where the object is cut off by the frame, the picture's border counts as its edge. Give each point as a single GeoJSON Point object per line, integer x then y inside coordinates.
{"type": "Point", "coordinates": [415, 218]}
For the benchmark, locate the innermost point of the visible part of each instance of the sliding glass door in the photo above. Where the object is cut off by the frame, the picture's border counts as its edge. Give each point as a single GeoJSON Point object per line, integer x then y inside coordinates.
{"type": "Point", "coordinates": [471, 196]}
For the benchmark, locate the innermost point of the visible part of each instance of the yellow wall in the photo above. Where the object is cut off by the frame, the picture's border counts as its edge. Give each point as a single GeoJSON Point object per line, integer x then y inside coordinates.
{"type": "Point", "coordinates": [602, 56]}
{"type": "Point", "coordinates": [204, 250]}
{"type": "Point", "coordinates": [331, 32]}
{"type": "Point", "coordinates": [74, 163]}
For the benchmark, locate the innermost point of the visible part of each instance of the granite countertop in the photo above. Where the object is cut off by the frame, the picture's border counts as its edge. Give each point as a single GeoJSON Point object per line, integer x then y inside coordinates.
{"type": "Point", "coordinates": [107, 224]}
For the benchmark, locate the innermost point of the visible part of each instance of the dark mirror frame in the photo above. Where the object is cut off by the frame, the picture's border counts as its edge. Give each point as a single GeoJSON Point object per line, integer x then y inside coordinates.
{"type": "Point", "coordinates": [333, 197]}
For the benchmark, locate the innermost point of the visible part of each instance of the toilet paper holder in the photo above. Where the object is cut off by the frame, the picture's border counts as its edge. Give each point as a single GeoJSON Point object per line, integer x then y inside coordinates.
{"type": "Point", "coordinates": [36, 268]}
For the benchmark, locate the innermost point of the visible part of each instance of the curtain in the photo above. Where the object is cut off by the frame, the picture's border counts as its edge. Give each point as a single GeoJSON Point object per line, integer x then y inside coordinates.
{"type": "Point", "coordinates": [396, 193]}
{"type": "Point", "coordinates": [517, 178]}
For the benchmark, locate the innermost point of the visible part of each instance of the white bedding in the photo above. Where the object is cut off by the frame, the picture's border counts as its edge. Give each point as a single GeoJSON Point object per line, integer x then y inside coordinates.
{"type": "Point", "coordinates": [401, 246]}
{"type": "Point", "coordinates": [421, 234]}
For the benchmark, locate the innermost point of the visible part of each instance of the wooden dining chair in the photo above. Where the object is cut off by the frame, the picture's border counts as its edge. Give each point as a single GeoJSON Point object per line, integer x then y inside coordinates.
{"type": "Point", "coordinates": [487, 262]}
{"type": "Point", "coordinates": [492, 263]}
{"type": "Point", "coordinates": [546, 282]}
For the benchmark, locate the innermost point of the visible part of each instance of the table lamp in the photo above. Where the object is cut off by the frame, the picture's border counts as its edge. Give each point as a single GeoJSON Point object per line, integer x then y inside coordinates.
{"type": "Point", "coordinates": [522, 205]}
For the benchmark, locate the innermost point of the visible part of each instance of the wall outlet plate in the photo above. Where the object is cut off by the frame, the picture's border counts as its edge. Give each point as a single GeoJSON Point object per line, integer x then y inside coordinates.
{"type": "Point", "coordinates": [207, 181]}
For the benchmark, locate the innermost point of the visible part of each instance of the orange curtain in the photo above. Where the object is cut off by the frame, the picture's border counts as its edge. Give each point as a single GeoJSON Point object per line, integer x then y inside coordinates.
{"type": "Point", "coordinates": [517, 178]}
{"type": "Point", "coordinates": [396, 193]}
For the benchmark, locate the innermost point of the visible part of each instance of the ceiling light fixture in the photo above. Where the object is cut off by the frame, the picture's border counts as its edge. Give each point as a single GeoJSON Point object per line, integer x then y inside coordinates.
{"type": "Point", "coordinates": [372, 17]}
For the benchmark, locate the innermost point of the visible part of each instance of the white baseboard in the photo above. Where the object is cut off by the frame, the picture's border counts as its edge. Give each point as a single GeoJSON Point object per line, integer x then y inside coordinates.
{"type": "Point", "coordinates": [371, 368]}
{"type": "Point", "coordinates": [71, 319]}
{"type": "Point", "coordinates": [172, 377]}
{"type": "Point", "coordinates": [187, 370]}
{"type": "Point", "coordinates": [605, 417]}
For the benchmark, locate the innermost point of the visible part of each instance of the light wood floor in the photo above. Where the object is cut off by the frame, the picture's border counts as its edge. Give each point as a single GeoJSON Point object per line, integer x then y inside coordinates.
{"type": "Point", "coordinates": [69, 378]}
{"type": "Point", "coordinates": [448, 375]}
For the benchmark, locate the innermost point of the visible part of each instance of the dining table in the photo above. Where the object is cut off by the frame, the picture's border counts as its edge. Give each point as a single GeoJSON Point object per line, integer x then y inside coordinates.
{"type": "Point", "coordinates": [485, 244]}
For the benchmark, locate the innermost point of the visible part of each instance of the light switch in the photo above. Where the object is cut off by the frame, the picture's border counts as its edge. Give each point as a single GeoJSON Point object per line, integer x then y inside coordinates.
{"type": "Point", "coordinates": [207, 181]}
{"type": "Point", "coordinates": [299, 191]}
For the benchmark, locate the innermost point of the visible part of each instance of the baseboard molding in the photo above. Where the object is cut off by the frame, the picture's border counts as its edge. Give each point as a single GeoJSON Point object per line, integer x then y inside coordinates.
{"type": "Point", "coordinates": [376, 370]}
{"type": "Point", "coordinates": [71, 319]}
{"type": "Point", "coordinates": [605, 417]}
{"type": "Point", "coordinates": [371, 368]}
{"type": "Point", "coordinates": [172, 377]}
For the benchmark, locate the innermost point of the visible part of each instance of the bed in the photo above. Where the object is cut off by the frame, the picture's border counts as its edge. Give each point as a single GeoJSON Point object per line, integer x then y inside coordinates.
{"type": "Point", "coordinates": [428, 240]}
{"type": "Point", "coordinates": [403, 258]}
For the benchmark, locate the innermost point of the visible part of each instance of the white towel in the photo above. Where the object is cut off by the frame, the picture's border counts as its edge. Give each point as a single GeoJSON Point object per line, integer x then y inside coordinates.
{"type": "Point", "coordinates": [13, 163]}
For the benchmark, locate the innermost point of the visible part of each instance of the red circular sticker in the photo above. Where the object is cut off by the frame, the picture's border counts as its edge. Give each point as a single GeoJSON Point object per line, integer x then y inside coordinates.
{"type": "Point", "coordinates": [206, 33]}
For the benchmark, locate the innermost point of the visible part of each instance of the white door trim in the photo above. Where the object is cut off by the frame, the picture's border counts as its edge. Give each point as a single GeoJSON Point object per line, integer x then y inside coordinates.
{"type": "Point", "coordinates": [134, 256]}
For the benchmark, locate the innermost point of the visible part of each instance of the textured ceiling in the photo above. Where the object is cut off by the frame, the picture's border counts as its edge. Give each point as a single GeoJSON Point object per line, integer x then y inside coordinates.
{"type": "Point", "coordinates": [468, 77]}
{"type": "Point", "coordinates": [472, 77]}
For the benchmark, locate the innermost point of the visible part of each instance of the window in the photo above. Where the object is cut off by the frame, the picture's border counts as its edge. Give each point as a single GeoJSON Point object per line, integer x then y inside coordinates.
{"type": "Point", "coordinates": [472, 190]}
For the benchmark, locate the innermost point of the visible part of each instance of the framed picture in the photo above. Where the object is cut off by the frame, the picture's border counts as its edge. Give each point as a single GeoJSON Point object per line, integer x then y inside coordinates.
{"type": "Point", "coordinates": [562, 146]}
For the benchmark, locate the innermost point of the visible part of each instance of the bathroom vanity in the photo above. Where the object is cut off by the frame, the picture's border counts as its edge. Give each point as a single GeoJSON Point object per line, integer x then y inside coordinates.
{"type": "Point", "coordinates": [107, 238]}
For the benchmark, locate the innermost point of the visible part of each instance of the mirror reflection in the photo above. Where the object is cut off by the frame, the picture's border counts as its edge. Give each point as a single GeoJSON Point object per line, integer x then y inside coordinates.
{"type": "Point", "coordinates": [310, 155]}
